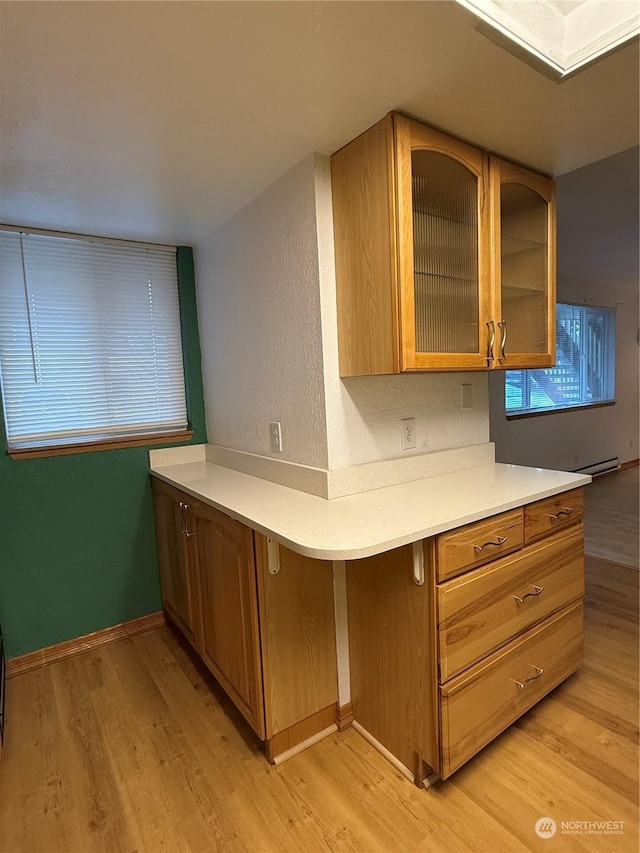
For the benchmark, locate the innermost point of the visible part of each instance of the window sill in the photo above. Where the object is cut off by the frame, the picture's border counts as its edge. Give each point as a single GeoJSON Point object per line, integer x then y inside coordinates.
{"type": "Point", "coordinates": [104, 444]}
{"type": "Point", "coordinates": [517, 417]}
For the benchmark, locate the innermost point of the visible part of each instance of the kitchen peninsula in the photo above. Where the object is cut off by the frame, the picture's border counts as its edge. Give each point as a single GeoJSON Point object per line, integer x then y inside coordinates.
{"type": "Point", "coordinates": [431, 612]}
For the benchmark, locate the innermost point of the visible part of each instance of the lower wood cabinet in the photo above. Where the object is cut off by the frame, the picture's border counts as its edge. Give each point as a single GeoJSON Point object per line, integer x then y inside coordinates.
{"type": "Point", "coordinates": [481, 703]}
{"type": "Point", "coordinates": [260, 616]}
{"type": "Point", "coordinates": [438, 669]}
{"type": "Point", "coordinates": [228, 608]}
{"type": "Point", "coordinates": [450, 639]}
{"type": "Point", "coordinates": [178, 578]}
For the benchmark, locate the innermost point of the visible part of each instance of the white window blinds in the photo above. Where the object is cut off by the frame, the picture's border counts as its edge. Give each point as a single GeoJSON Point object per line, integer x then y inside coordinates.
{"type": "Point", "coordinates": [90, 344]}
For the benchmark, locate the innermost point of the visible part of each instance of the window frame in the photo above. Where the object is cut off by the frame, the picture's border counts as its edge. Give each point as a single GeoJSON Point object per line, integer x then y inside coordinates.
{"type": "Point", "coordinates": [152, 437]}
{"type": "Point", "coordinates": [516, 414]}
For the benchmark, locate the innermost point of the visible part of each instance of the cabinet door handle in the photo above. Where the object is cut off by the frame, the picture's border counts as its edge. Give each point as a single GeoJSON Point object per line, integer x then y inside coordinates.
{"type": "Point", "coordinates": [539, 672]}
{"type": "Point", "coordinates": [185, 519]}
{"type": "Point", "coordinates": [492, 340]}
{"type": "Point", "coordinates": [566, 510]}
{"type": "Point", "coordinates": [537, 591]}
{"type": "Point", "coordinates": [503, 345]}
{"type": "Point", "coordinates": [499, 541]}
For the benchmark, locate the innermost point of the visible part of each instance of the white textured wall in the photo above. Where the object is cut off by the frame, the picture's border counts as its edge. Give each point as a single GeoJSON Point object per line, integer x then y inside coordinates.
{"type": "Point", "coordinates": [267, 313]}
{"type": "Point", "coordinates": [259, 316]}
{"type": "Point", "coordinates": [364, 413]}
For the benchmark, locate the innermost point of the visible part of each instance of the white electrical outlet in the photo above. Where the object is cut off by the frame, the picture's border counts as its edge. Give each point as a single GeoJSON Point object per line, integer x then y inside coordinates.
{"type": "Point", "coordinates": [408, 433]}
{"type": "Point", "coordinates": [276, 436]}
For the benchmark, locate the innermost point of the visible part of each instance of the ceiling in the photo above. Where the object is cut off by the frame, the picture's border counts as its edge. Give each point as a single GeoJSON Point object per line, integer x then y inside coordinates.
{"type": "Point", "coordinates": [157, 121]}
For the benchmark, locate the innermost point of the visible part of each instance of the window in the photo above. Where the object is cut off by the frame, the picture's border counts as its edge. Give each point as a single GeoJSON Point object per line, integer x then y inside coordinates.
{"type": "Point", "coordinates": [90, 343]}
{"type": "Point", "coordinates": [584, 374]}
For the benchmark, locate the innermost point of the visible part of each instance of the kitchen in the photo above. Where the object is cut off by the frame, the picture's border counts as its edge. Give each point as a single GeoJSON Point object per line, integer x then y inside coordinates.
{"type": "Point", "coordinates": [284, 369]}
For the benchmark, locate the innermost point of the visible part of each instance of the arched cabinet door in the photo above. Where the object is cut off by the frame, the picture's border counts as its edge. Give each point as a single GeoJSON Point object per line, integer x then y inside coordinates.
{"type": "Point", "coordinates": [443, 250]}
{"type": "Point", "coordinates": [445, 255]}
{"type": "Point", "coordinates": [523, 227]}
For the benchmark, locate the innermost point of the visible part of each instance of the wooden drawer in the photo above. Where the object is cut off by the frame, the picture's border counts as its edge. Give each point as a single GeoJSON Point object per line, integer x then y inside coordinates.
{"type": "Point", "coordinates": [484, 609]}
{"type": "Point", "coordinates": [482, 702]}
{"type": "Point", "coordinates": [551, 514]}
{"type": "Point", "coordinates": [478, 543]}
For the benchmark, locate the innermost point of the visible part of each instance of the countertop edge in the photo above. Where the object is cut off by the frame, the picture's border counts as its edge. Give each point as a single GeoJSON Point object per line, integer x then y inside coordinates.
{"type": "Point", "coordinates": [383, 544]}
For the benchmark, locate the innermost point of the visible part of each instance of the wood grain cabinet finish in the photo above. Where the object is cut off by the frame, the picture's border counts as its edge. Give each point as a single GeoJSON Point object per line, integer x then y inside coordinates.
{"type": "Point", "coordinates": [445, 257]}
{"type": "Point", "coordinates": [265, 631]}
{"type": "Point", "coordinates": [435, 666]}
{"type": "Point", "coordinates": [484, 701]}
{"type": "Point", "coordinates": [478, 543]}
{"type": "Point", "coordinates": [230, 643]}
{"type": "Point", "coordinates": [483, 610]}
{"type": "Point", "coordinates": [555, 513]}
{"type": "Point", "coordinates": [178, 576]}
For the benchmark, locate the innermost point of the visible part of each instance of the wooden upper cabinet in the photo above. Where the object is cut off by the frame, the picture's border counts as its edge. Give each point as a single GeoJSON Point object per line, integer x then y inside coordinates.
{"type": "Point", "coordinates": [422, 281]}
{"type": "Point", "coordinates": [523, 243]}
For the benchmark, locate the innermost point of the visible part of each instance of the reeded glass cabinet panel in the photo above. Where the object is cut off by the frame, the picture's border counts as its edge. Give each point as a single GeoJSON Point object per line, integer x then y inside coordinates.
{"type": "Point", "coordinates": [523, 210]}
{"type": "Point", "coordinates": [445, 254]}
{"type": "Point", "coordinates": [524, 261]}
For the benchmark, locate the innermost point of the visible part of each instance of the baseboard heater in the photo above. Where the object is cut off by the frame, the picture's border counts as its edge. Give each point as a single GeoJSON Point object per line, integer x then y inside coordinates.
{"type": "Point", "coordinates": [600, 468]}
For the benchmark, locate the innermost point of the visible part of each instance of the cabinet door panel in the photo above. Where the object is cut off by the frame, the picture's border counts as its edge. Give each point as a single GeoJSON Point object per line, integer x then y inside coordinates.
{"type": "Point", "coordinates": [177, 580]}
{"type": "Point", "coordinates": [442, 244]}
{"type": "Point", "coordinates": [230, 639]}
{"type": "Point", "coordinates": [523, 211]}
{"type": "Point", "coordinates": [298, 637]}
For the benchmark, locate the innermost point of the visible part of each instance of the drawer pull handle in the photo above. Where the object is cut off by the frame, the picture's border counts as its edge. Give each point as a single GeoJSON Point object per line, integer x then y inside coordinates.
{"type": "Point", "coordinates": [539, 672]}
{"type": "Point", "coordinates": [566, 510]}
{"type": "Point", "coordinates": [499, 541]}
{"type": "Point", "coordinates": [538, 590]}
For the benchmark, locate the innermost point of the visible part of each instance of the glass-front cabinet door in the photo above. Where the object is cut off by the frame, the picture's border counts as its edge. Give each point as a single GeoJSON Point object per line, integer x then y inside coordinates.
{"type": "Point", "coordinates": [443, 250]}
{"type": "Point", "coordinates": [523, 261]}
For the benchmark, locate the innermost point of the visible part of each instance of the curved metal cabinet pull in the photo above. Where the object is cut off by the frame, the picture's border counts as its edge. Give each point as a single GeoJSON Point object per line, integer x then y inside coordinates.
{"type": "Point", "coordinates": [499, 541]}
{"type": "Point", "coordinates": [503, 344]}
{"type": "Point", "coordinates": [539, 672]}
{"type": "Point", "coordinates": [538, 590]}
{"type": "Point", "coordinates": [566, 510]}
{"type": "Point", "coordinates": [492, 340]}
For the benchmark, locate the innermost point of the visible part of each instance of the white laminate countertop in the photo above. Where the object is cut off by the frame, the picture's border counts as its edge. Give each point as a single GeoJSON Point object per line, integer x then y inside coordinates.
{"type": "Point", "coordinates": [367, 523]}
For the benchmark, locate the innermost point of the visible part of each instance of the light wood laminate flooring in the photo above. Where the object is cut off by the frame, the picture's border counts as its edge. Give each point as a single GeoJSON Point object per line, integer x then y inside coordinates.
{"type": "Point", "coordinates": [133, 747]}
{"type": "Point", "coordinates": [612, 511]}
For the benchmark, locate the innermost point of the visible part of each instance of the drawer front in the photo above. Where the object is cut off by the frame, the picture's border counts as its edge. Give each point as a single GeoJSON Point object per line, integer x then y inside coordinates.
{"type": "Point", "coordinates": [484, 609]}
{"type": "Point", "coordinates": [478, 543]}
{"type": "Point", "coordinates": [547, 516]}
{"type": "Point", "coordinates": [481, 703]}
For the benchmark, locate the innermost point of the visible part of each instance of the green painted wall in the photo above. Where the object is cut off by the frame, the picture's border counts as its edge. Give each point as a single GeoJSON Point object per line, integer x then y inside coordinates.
{"type": "Point", "coordinates": [77, 538]}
